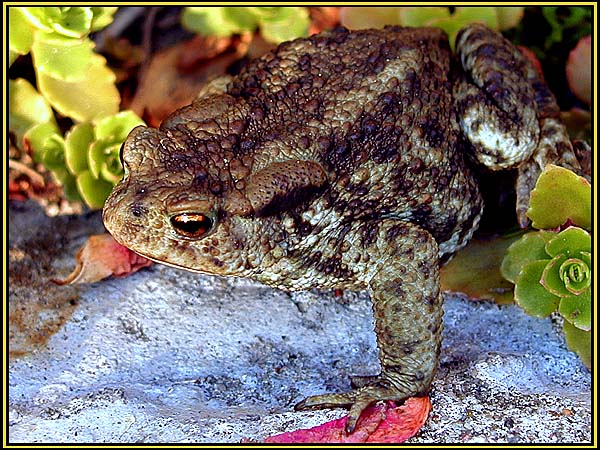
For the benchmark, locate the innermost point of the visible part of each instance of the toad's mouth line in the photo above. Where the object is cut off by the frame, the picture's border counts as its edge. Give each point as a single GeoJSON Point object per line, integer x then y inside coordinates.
{"type": "Point", "coordinates": [171, 264]}
{"type": "Point", "coordinates": [186, 268]}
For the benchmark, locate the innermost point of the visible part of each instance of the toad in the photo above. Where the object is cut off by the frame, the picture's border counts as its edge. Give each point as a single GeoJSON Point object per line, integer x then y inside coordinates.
{"type": "Point", "coordinates": [344, 160]}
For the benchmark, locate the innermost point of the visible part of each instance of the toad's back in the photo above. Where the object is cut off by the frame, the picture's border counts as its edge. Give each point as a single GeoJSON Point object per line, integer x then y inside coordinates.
{"type": "Point", "coordinates": [373, 108]}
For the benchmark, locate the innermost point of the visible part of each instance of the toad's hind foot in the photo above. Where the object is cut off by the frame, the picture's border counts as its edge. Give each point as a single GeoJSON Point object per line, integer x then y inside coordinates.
{"type": "Point", "coordinates": [357, 400]}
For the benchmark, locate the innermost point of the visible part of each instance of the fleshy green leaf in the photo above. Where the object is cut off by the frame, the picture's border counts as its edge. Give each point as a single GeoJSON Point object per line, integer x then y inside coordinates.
{"type": "Point", "coordinates": [577, 309]}
{"type": "Point", "coordinates": [560, 195]}
{"type": "Point", "coordinates": [116, 127]}
{"type": "Point", "coordinates": [92, 97]}
{"type": "Point", "coordinates": [27, 108]}
{"type": "Point", "coordinates": [97, 153]}
{"type": "Point", "coordinates": [67, 181]}
{"type": "Point", "coordinates": [576, 274]}
{"type": "Point", "coordinates": [277, 24]}
{"type": "Point", "coordinates": [72, 22]}
{"type": "Point", "coordinates": [93, 190]}
{"type": "Point", "coordinates": [580, 342]}
{"type": "Point", "coordinates": [103, 160]}
{"type": "Point", "coordinates": [77, 143]}
{"type": "Point", "coordinates": [217, 20]}
{"type": "Point", "coordinates": [75, 21]}
{"type": "Point", "coordinates": [531, 247]}
{"type": "Point", "coordinates": [362, 17]}
{"type": "Point", "coordinates": [12, 56]}
{"type": "Point", "coordinates": [530, 294]}
{"type": "Point", "coordinates": [103, 155]}
{"type": "Point", "coordinates": [452, 26]}
{"type": "Point", "coordinates": [48, 146]}
{"type": "Point", "coordinates": [464, 15]}
{"type": "Point", "coordinates": [69, 184]}
{"type": "Point", "coordinates": [245, 18]}
{"type": "Point", "coordinates": [102, 16]}
{"type": "Point", "coordinates": [111, 170]}
{"type": "Point", "coordinates": [452, 23]}
{"type": "Point", "coordinates": [54, 152]}
{"type": "Point", "coordinates": [551, 279]}
{"type": "Point", "coordinates": [61, 57]}
{"type": "Point", "coordinates": [509, 16]}
{"type": "Point", "coordinates": [42, 17]}
{"type": "Point", "coordinates": [500, 18]}
{"type": "Point", "coordinates": [286, 23]}
{"type": "Point", "coordinates": [20, 36]}
{"type": "Point", "coordinates": [570, 242]}
{"type": "Point", "coordinates": [561, 18]}
{"type": "Point", "coordinates": [420, 16]}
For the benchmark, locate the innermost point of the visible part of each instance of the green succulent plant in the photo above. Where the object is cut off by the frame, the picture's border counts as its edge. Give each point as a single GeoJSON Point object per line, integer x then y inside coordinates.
{"type": "Point", "coordinates": [86, 161]}
{"type": "Point", "coordinates": [70, 76]}
{"type": "Point", "coordinates": [572, 20]}
{"type": "Point", "coordinates": [75, 82]}
{"type": "Point", "coordinates": [276, 24]}
{"type": "Point", "coordinates": [497, 18]}
{"type": "Point", "coordinates": [552, 270]}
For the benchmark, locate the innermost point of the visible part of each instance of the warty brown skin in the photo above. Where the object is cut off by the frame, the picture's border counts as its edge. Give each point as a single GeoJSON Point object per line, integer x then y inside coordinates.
{"type": "Point", "coordinates": [342, 161]}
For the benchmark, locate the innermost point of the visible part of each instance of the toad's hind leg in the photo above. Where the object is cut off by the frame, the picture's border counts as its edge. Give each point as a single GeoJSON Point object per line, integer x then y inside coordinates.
{"type": "Point", "coordinates": [407, 307]}
{"type": "Point", "coordinates": [507, 111]}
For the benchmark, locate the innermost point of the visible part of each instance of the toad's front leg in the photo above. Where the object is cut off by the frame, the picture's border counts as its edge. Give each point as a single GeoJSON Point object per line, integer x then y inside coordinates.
{"type": "Point", "coordinates": [407, 306]}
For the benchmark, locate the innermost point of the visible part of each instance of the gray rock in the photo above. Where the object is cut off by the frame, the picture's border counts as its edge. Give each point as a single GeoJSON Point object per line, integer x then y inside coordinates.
{"type": "Point", "coordinates": [169, 356]}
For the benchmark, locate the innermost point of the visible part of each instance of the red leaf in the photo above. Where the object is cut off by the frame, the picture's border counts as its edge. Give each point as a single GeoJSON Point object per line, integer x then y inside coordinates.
{"type": "Point", "coordinates": [579, 70]}
{"type": "Point", "coordinates": [174, 76]}
{"type": "Point", "coordinates": [323, 18]}
{"type": "Point", "coordinates": [100, 257]}
{"type": "Point", "coordinates": [382, 423]}
{"type": "Point", "coordinates": [533, 59]}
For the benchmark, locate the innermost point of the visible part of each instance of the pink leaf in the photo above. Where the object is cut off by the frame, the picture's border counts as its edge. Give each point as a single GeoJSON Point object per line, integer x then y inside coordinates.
{"type": "Point", "coordinates": [100, 257]}
{"type": "Point", "coordinates": [532, 59]}
{"type": "Point", "coordinates": [383, 423]}
{"type": "Point", "coordinates": [579, 70]}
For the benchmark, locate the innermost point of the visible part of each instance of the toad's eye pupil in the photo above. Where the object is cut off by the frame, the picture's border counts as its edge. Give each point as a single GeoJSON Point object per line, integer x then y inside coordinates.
{"type": "Point", "coordinates": [191, 225]}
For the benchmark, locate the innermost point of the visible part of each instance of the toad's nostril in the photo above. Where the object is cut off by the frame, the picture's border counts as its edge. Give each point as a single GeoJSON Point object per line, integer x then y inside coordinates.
{"type": "Point", "coordinates": [138, 210]}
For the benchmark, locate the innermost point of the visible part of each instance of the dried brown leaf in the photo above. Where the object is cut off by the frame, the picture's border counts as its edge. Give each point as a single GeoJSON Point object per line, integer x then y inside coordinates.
{"type": "Point", "coordinates": [100, 257]}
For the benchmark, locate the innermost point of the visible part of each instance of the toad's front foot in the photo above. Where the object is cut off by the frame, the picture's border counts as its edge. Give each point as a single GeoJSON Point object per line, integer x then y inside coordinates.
{"type": "Point", "coordinates": [357, 400]}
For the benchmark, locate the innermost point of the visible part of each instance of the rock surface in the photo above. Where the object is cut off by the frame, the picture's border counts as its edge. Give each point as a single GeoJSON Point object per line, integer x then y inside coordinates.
{"type": "Point", "coordinates": [169, 356]}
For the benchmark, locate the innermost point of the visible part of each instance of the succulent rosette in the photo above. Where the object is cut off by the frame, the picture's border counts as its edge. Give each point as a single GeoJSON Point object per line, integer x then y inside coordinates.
{"type": "Point", "coordinates": [86, 161]}
{"type": "Point", "coordinates": [553, 270]}
{"type": "Point", "coordinates": [92, 154]}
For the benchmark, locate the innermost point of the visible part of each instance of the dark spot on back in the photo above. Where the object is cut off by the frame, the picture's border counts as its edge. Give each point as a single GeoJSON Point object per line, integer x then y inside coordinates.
{"type": "Point", "coordinates": [289, 200]}
{"type": "Point", "coordinates": [433, 131]}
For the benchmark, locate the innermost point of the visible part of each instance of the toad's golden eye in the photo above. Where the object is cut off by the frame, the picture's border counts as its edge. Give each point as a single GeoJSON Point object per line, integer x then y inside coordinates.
{"type": "Point", "coordinates": [192, 225]}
